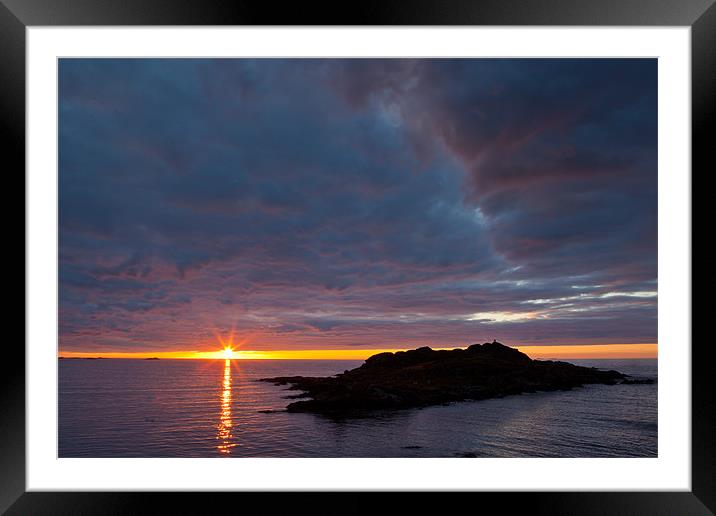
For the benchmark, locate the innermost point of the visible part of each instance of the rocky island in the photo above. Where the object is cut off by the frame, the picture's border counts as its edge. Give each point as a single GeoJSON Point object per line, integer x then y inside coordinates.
{"type": "Point", "coordinates": [424, 376]}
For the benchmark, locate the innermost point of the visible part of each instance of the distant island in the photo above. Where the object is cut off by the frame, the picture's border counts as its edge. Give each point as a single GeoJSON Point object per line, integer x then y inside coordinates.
{"type": "Point", "coordinates": [423, 377]}
{"type": "Point", "coordinates": [82, 358]}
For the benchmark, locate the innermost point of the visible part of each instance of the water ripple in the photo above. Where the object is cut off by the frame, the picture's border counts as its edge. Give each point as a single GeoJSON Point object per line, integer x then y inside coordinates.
{"type": "Point", "coordinates": [207, 408]}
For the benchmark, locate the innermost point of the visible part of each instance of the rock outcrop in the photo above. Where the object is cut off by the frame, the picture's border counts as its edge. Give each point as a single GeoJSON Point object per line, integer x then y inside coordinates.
{"type": "Point", "coordinates": [424, 376]}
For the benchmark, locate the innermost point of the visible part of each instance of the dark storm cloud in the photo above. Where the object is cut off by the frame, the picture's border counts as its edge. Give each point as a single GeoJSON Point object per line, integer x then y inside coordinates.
{"type": "Point", "coordinates": [560, 154]}
{"type": "Point", "coordinates": [350, 202]}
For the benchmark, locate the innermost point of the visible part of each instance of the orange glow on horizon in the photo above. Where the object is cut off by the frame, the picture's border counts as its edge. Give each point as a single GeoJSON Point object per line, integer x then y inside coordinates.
{"type": "Point", "coordinates": [615, 351]}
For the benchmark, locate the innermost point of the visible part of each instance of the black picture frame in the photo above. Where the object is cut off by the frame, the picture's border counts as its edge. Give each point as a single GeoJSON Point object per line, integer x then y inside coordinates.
{"type": "Point", "coordinates": [16, 15]}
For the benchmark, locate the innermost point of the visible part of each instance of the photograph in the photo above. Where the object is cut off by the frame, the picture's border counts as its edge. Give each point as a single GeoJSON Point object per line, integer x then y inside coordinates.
{"type": "Point", "coordinates": [390, 257]}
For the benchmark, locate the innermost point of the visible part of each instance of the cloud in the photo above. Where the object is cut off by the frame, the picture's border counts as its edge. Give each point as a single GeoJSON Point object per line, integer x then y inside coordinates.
{"type": "Point", "coordinates": [355, 202]}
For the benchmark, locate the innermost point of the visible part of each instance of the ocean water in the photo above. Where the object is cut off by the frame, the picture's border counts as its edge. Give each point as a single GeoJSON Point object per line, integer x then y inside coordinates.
{"type": "Point", "coordinates": [216, 408]}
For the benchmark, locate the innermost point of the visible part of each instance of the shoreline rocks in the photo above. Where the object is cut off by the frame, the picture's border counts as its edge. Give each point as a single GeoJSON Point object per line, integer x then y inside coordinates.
{"type": "Point", "coordinates": [423, 377]}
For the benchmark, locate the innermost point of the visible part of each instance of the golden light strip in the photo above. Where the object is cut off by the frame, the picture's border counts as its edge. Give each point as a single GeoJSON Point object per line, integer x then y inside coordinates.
{"type": "Point", "coordinates": [540, 352]}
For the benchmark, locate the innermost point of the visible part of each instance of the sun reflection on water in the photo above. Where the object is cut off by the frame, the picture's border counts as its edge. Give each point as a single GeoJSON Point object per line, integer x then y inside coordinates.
{"type": "Point", "coordinates": [225, 420]}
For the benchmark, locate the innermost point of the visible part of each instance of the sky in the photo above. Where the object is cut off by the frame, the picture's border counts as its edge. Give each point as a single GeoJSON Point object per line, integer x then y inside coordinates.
{"type": "Point", "coordinates": [348, 204]}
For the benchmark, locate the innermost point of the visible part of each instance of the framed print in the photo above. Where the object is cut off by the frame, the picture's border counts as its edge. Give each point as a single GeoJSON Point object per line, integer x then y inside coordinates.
{"type": "Point", "coordinates": [444, 248]}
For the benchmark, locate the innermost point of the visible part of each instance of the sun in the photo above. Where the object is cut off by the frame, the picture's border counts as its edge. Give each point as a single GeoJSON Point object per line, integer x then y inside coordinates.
{"type": "Point", "coordinates": [227, 352]}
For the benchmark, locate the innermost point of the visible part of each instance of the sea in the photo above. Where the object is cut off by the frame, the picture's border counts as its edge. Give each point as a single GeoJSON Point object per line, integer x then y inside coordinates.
{"type": "Point", "coordinates": [217, 408]}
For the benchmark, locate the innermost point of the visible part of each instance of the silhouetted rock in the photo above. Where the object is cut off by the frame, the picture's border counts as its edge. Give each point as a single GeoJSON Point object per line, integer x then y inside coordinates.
{"type": "Point", "coordinates": [423, 377]}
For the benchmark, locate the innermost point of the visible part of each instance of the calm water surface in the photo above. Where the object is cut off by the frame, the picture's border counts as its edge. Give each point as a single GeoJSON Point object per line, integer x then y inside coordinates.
{"type": "Point", "coordinates": [215, 408]}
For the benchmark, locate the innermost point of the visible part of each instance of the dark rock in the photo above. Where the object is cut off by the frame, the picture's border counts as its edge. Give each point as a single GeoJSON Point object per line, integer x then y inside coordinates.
{"type": "Point", "coordinates": [423, 377]}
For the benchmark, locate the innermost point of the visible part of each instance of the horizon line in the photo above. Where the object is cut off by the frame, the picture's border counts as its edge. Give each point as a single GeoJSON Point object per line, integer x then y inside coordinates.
{"type": "Point", "coordinates": [557, 351]}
